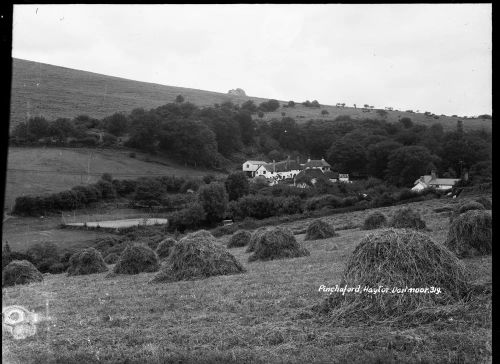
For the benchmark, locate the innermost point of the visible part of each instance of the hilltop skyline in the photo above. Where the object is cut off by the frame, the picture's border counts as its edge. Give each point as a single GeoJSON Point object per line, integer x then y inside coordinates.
{"type": "Point", "coordinates": [438, 60]}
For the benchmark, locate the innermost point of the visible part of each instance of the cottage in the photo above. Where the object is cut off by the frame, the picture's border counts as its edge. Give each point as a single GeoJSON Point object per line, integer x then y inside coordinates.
{"type": "Point", "coordinates": [433, 181]}
{"type": "Point", "coordinates": [249, 167]}
{"type": "Point", "coordinates": [320, 164]}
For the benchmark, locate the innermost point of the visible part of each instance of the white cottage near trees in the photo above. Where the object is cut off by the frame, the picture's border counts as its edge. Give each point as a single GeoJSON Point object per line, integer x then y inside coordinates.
{"type": "Point", "coordinates": [251, 166]}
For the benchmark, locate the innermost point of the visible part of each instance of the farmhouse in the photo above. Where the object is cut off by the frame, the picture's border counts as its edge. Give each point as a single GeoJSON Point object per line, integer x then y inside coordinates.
{"type": "Point", "coordinates": [277, 171]}
{"type": "Point", "coordinates": [433, 181]}
{"type": "Point", "coordinates": [249, 167]}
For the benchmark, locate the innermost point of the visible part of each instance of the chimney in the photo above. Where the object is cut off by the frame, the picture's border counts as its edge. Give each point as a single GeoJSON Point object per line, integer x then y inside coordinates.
{"type": "Point", "coordinates": [308, 159]}
{"type": "Point", "coordinates": [274, 166]}
{"type": "Point", "coordinates": [298, 160]}
{"type": "Point", "coordinates": [433, 174]}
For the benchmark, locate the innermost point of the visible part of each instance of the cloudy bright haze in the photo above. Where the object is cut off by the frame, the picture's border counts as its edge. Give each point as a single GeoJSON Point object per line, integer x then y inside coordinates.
{"type": "Point", "coordinates": [423, 57]}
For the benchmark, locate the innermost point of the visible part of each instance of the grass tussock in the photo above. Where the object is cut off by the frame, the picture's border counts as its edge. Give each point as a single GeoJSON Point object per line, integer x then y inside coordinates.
{"type": "Point", "coordinates": [137, 259]}
{"type": "Point", "coordinates": [470, 234]}
{"type": "Point", "coordinates": [164, 247]}
{"type": "Point", "coordinates": [375, 220]}
{"type": "Point", "coordinates": [20, 272]}
{"type": "Point", "coordinates": [277, 243]}
{"type": "Point", "coordinates": [397, 258]}
{"type": "Point", "coordinates": [407, 218]}
{"type": "Point", "coordinates": [239, 239]}
{"type": "Point", "coordinates": [86, 261]}
{"type": "Point", "coordinates": [197, 256]}
{"type": "Point", "coordinates": [319, 229]}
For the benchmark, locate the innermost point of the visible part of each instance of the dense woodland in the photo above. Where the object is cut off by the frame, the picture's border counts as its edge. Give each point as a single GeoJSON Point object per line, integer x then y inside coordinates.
{"type": "Point", "coordinates": [224, 134]}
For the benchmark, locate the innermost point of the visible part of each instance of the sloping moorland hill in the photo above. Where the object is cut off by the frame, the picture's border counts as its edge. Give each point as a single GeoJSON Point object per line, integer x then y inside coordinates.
{"type": "Point", "coordinates": [52, 91]}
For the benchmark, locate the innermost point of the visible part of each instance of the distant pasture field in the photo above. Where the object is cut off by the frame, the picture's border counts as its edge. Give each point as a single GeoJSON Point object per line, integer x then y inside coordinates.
{"type": "Point", "coordinates": [261, 316]}
{"type": "Point", "coordinates": [38, 170]}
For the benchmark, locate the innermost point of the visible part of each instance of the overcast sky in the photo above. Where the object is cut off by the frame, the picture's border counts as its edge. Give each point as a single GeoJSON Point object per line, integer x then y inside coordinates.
{"type": "Point", "coordinates": [423, 57]}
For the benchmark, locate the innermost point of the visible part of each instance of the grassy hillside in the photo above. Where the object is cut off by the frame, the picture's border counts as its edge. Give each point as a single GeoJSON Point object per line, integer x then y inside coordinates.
{"type": "Point", "coordinates": [51, 91]}
{"type": "Point", "coordinates": [41, 170]}
{"type": "Point", "coordinates": [261, 316]}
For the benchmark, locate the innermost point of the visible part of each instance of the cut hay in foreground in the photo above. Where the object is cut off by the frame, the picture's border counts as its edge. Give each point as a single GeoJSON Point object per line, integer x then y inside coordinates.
{"type": "Point", "coordinates": [318, 229]}
{"type": "Point", "coordinates": [470, 234]}
{"type": "Point", "coordinates": [20, 272]}
{"type": "Point", "coordinates": [197, 256]}
{"type": "Point", "coordinates": [375, 220]}
{"type": "Point", "coordinates": [407, 218]}
{"type": "Point", "coordinates": [277, 243]}
{"type": "Point", "coordinates": [401, 258]}
{"type": "Point", "coordinates": [239, 239]}
{"type": "Point", "coordinates": [136, 259]}
{"type": "Point", "coordinates": [163, 249]}
{"type": "Point", "coordinates": [86, 261]}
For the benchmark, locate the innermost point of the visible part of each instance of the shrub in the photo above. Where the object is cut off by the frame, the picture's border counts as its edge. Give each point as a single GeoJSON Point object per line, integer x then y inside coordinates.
{"type": "Point", "coordinates": [111, 258]}
{"type": "Point", "coordinates": [319, 229]}
{"type": "Point", "coordinates": [163, 249]}
{"type": "Point", "coordinates": [374, 221]}
{"type": "Point", "coordinates": [486, 202]}
{"type": "Point", "coordinates": [406, 217]}
{"type": "Point", "coordinates": [397, 258]}
{"type": "Point", "coordinates": [213, 198]}
{"type": "Point", "coordinates": [291, 205]}
{"type": "Point", "coordinates": [470, 234]}
{"type": "Point", "coordinates": [136, 259]}
{"type": "Point", "coordinates": [20, 272]}
{"type": "Point", "coordinates": [86, 261]}
{"type": "Point", "coordinates": [239, 239]}
{"type": "Point", "coordinates": [189, 218]}
{"type": "Point", "coordinates": [197, 256]}
{"type": "Point", "coordinates": [237, 185]}
{"type": "Point", "coordinates": [276, 243]}
{"type": "Point", "coordinates": [319, 202]}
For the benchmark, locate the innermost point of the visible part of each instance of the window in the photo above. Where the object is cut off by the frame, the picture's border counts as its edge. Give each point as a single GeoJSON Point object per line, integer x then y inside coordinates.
{"type": "Point", "coordinates": [248, 165]}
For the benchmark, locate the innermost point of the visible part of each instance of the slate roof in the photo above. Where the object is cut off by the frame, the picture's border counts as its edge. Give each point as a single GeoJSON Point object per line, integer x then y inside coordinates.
{"type": "Point", "coordinates": [314, 163]}
{"type": "Point", "coordinates": [282, 166]}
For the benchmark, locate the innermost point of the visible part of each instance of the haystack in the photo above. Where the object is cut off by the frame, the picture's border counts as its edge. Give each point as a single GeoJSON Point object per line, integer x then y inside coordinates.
{"type": "Point", "coordinates": [406, 217]}
{"type": "Point", "coordinates": [486, 202]}
{"type": "Point", "coordinates": [136, 259]}
{"type": "Point", "coordinates": [239, 239]}
{"type": "Point", "coordinates": [197, 256]}
{"type": "Point", "coordinates": [163, 249]}
{"type": "Point", "coordinates": [318, 229]}
{"type": "Point", "coordinates": [375, 220]}
{"type": "Point", "coordinates": [20, 272]}
{"type": "Point", "coordinates": [277, 243]}
{"type": "Point", "coordinates": [464, 207]}
{"type": "Point", "coordinates": [254, 238]}
{"type": "Point", "coordinates": [111, 258]}
{"type": "Point", "coordinates": [402, 259]}
{"type": "Point", "coordinates": [86, 261]}
{"type": "Point", "coordinates": [470, 234]}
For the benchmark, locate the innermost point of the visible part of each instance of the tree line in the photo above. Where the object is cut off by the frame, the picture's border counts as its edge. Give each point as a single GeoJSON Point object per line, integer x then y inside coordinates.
{"type": "Point", "coordinates": [218, 135]}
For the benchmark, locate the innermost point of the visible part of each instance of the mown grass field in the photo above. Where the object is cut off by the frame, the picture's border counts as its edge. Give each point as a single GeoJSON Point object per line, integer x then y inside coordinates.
{"type": "Point", "coordinates": [51, 91]}
{"type": "Point", "coordinates": [261, 316]}
{"type": "Point", "coordinates": [43, 170]}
